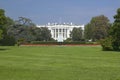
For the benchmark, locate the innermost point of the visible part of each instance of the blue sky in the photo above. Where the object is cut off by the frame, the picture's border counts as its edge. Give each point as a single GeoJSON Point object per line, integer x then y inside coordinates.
{"type": "Point", "coordinates": [44, 11]}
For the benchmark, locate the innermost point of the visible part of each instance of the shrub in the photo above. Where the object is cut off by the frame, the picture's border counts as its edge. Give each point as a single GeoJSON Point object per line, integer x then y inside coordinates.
{"type": "Point", "coordinates": [68, 40]}
{"type": "Point", "coordinates": [116, 45]}
{"type": "Point", "coordinates": [8, 41]}
{"type": "Point", "coordinates": [106, 44]}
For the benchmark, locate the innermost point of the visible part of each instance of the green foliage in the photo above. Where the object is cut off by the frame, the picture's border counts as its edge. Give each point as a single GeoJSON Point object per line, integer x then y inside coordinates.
{"type": "Point", "coordinates": [25, 21]}
{"type": "Point", "coordinates": [88, 33]}
{"type": "Point", "coordinates": [115, 32]}
{"type": "Point", "coordinates": [7, 41]}
{"type": "Point", "coordinates": [77, 34]}
{"type": "Point", "coordinates": [97, 28]}
{"type": "Point", "coordinates": [61, 43]}
{"type": "Point", "coordinates": [113, 42]}
{"type": "Point", "coordinates": [1, 34]}
{"type": "Point", "coordinates": [106, 44]}
{"type": "Point", "coordinates": [45, 34]}
{"type": "Point", "coordinates": [68, 40]}
{"type": "Point", "coordinates": [24, 29]}
{"type": "Point", "coordinates": [42, 42]}
{"type": "Point", "coordinates": [2, 17]}
{"type": "Point", "coordinates": [2, 22]}
{"type": "Point", "coordinates": [5, 23]}
{"type": "Point", "coordinates": [21, 32]}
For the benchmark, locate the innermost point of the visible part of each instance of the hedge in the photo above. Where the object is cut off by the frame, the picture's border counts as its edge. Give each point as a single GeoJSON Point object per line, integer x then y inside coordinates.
{"type": "Point", "coordinates": [61, 43]}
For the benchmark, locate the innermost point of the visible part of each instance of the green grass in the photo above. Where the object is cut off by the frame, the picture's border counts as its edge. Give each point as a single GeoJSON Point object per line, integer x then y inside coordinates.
{"type": "Point", "coordinates": [58, 63]}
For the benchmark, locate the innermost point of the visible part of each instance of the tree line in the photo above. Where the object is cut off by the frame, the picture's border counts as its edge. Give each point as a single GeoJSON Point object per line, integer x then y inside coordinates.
{"type": "Point", "coordinates": [24, 30]}
{"type": "Point", "coordinates": [95, 30]}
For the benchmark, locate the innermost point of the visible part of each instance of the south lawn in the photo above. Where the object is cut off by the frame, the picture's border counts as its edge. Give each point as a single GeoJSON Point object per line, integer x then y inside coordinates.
{"type": "Point", "coordinates": [59, 63]}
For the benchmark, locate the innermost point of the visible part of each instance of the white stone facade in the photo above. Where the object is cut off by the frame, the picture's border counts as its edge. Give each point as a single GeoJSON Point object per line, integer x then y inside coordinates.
{"type": "Point", "coordinates": [60, 32]}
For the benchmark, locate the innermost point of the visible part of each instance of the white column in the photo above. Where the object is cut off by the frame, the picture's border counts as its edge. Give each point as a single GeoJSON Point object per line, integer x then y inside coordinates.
{"type": "Point", "coordinates": [63, 33]}
{"type": "Point", "coordinates": [66, 32]}
{"type": "Point", "coordinates": [58, 32]}
{"type": "Point", "coordinates": [55, 33]}
{"type": "Point", "coordinates": [52, 33]}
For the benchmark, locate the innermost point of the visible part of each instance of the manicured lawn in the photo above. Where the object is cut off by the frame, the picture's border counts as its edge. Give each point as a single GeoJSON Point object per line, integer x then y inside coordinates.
{"type": "Point", "coordinates": [58, 63]}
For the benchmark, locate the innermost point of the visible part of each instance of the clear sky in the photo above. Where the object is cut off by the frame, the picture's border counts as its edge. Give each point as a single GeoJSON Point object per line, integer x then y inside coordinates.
{"type": "Point", "coordinates": [44, 11]}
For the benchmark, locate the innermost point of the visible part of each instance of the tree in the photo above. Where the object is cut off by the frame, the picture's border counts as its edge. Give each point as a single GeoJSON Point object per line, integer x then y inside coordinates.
{"type": "Point", "coordinates": [26, 31]}
{"type": "Point", "coordinates": [97, 28]}
{"type": "Point", "coordinates": [88, 33]}
{"type": "Point", "coordinates": [106, 44]}
{"type": "Point", "coordinates": [22, 30]}
{"type": "Point", "coordinates": [115, 32]}
{"type": "Point", "coordinates": [45, 34]}
{"type": "Point", "coordinates": [2, 22]}
{"type": "Point", "coordinates": [1, 34]}
{"type": "Point", "coordinates": [5, 23]}
{"type": "Point", "coordinates": [76, 34]}
{"type": "Point", "coordinates": [8, 41]}
{"type": "Point", "coordinates": [2, 17]}
{"type": "Point", "coordinates": [25, 21]}
{"type": "Point", "coordinates": [36, 32]}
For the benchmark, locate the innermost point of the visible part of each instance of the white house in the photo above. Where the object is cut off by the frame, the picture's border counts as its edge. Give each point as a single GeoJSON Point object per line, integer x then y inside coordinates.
{"type": "Point", "coordinates": [60, 32]}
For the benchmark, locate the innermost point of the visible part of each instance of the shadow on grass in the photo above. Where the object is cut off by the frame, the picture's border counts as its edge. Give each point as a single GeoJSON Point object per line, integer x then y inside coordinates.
{"type": "Point", "coordinates": [111, 51]}
{"type": "Point", "coordinates": [3, 49]}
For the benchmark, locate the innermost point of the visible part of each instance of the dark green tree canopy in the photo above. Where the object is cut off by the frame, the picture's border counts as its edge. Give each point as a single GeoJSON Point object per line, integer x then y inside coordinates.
{"type": "Point", "coordinates": [77, 34]}
{"type": "Point", "coordinates": [45, 34]}
{"type": "Point", "coordinates": [97, 28]}
{"type": "Point", "coordinates": [5, 23]}
{"type": "Point", "coordinates": [117, 17]}
{"type": "Point", "coordinates": [1, 34]}
{"type": "Point", "coordinates": [88, 33]}
{"type": "Point", "coordinates": [2, 17]}
{"type": "Point", "coordinates": [2, 22]}
{"type": "Point", "coordinates": [115, 31]}
{"type": "Point", "coordinates": [112, 42]}
{"type": "Point", "coordinates": [25, 30]}
{"type": "Point", "coordinates": [22, 29]}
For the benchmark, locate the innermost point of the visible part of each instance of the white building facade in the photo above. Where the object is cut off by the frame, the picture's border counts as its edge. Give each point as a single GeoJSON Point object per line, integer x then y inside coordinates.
{"type": "Point", "coordinates": [61, 32]}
